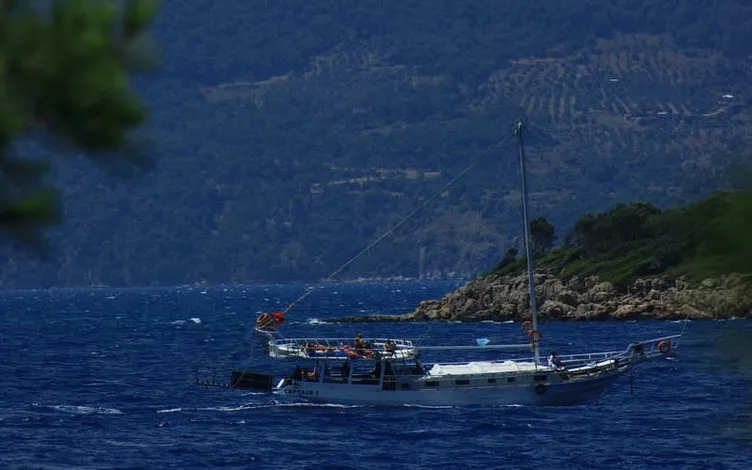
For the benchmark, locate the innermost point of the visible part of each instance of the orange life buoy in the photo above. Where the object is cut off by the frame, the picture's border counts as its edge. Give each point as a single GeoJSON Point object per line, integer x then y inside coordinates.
{"type": "Point", "coordinates": [350, 352]}
{"type": "Point", "coordinates": [313, 347]}
{"type": "Point", "coordinates": [664, 346]}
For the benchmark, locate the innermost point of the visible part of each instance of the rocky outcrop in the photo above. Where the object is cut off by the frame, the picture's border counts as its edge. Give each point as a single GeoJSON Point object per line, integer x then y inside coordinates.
{"type": "Point", "coordinates": [506, 298]}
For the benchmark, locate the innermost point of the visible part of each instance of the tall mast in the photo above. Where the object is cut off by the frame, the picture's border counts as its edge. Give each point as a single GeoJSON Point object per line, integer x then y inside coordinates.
{"type": "Point", "coordinates": [519, 130]}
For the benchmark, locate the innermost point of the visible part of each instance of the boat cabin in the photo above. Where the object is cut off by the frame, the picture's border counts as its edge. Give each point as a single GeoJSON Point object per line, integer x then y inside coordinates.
{"type": "Point", "coordinates": [363, 371]}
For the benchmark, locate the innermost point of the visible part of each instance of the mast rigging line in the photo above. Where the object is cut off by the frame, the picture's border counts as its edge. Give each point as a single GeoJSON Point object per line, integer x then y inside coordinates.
{"type": "Point", "coordinates": [399, 224]}
{"type": "Point", "coordinates": [344, 266]}
{"type": "Point", "coordinates": [519, 131]}
{"type": "Point", "coordinates": [391, 230]}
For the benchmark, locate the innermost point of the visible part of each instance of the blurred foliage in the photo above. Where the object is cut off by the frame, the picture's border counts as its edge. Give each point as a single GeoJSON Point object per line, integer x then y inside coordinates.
{"type": "Point", "coordinates": [292, 133]}
{"type": "Point", "coordinates": [64, 80]}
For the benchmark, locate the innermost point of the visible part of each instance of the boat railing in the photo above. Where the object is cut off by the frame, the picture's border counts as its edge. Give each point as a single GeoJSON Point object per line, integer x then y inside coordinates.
{"type": "Point", "coordinates": [471, 347]}
{"type": "Point", "coordinates": [214, 376]}
{"type": "Point", "coordinates": [654, 348]}
{"type": "Point", "coordinates": [333, 347]}
{"type": "Point", "coordinates": [337, 342]}
{"type": "Point", "coordinates": [636, 352]}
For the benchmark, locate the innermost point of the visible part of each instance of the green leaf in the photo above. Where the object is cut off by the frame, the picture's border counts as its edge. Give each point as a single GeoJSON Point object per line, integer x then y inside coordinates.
{"type": "Point", "coordinates": [138, 14]}
{"type": "Point", "coordinates": [38, 208]}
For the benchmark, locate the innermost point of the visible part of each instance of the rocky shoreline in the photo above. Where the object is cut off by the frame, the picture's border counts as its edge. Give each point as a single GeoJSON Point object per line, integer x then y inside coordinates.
{"type": "Point", "coordinates": [503, 298]}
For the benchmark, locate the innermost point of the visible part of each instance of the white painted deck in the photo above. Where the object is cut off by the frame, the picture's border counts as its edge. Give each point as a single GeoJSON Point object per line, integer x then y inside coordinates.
{"type": "Point", "coordinates": [484, 367]}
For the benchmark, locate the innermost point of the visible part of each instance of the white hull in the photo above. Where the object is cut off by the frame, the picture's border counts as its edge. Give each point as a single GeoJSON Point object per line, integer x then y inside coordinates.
{"type": "Point", "coordinates": [487, 383]}
{"type": "Point", "coordinates": [526, 390]}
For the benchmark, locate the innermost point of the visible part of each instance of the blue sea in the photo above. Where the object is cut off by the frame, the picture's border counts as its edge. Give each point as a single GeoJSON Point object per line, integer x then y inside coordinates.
{"type": "Point", "coordinates": [102, 378]}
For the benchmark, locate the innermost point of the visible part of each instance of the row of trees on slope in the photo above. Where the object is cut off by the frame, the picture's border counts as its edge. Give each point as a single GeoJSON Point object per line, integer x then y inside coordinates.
{"type": "Point", "coordinates": [698, 240]}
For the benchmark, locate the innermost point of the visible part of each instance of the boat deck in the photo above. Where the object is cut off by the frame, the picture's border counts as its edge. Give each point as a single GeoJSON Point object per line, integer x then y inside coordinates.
{"type": "Point", "coordinates": [340, 348]}
{"type": "Point", "coordinates": [483, 367]}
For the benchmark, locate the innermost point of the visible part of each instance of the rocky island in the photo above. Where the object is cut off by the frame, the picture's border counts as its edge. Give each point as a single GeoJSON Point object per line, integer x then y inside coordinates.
{"type": "Point", "coordinates": [506, 297]}
{"type": "Point", "coordinates": [632, 262]}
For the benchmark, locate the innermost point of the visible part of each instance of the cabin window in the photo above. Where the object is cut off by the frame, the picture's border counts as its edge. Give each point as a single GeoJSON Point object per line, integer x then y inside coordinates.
{"type": "Point", "coordinates": [432, 383]}
{"type": "Point", "coordinates": [462, 382]}
{"type": "Point", "coordinates": [405, 386]}
{"type": "Point", "coordinates": [492, 381]}
{"type": "Point", "coordinates": [540, 378]}
{"type": "Point", "coordinates": [511, 379]}
{"type": "Point", "coordinates": [365, 373]}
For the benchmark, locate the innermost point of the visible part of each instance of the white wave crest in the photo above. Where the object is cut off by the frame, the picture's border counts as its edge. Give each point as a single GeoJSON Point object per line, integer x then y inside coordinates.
{"type": "Point", "coordinates": [170, 410]}
{"type": "Point", "coordinates": [86, 410]}
{"type": "Point", "coordinates": [430, 407]}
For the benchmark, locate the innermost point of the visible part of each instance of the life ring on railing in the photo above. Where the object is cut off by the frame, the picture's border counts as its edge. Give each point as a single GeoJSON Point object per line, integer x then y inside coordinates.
{"type": "Point", "coordinates": [526, 327]}
{"type": "Point", "coordinates": [535, 336]}
{"type": "Point", "coordinates": [540, 389]}
{"type": "Point", "coordinates": [664, 346]}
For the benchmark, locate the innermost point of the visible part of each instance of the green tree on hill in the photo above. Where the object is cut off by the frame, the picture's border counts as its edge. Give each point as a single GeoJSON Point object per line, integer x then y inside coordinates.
{"type": "Point", "coordinates": [596, 233]}
{"type": "Point", "coordinates": [728, 239]}
{"type": "Point", "coordinates": [705, 239]}
{"type": "Point", "coordinates": [509, 257]}
{"type": "Point", "coordinates": [542, 235]}
{"type": "Point", "coordinates": [64, 79]}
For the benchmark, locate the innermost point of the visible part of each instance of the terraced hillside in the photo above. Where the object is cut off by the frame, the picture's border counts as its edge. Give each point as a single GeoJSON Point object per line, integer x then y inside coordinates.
{"type": "Point", "coordinates": [628, 118]}
{"type": "Point", "coordinates": [282, 155]}
{"type": "Point", "coordinates": [655, 116]}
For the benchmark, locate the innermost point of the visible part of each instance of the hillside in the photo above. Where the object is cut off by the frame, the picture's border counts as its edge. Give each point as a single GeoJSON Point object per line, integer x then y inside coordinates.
{"type": "Point", "coordinates": [633, 261]}
{"type": "Point", "coordinates": [290, 134]}
{"type": "Point", "coordinates": [695, 242]}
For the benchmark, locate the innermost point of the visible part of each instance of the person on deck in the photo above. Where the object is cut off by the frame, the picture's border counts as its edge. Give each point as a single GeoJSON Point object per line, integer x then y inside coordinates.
{"type": "Point", "coordinates": [554, 362]}
{"type": "Point", "coordinates": [362, 346]}
{"type": "Point", "coordinates": [345, 371]}
{"type": "Point", "coordinates": [359, 343]}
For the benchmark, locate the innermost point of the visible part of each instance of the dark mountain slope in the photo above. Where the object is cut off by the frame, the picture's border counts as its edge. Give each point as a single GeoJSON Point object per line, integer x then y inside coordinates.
{"type": "Point", "coordinates": [289, 134]}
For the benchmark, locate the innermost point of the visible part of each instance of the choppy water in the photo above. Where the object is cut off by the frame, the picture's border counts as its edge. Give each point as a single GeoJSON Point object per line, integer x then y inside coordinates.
{"type": "Point", "coordinates": [102, 379]}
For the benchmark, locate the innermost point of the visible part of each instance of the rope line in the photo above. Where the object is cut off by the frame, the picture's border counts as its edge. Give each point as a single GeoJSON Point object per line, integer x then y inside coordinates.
{"type": "Point", "coordinates": [247, 336]}
{"type": "Point", "coordinates": [399, 224]}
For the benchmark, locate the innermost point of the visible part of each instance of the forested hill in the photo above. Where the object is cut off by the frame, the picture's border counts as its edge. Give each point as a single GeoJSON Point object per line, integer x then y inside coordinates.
{"type": "Point", "coordinates": [697, 242]}
{"type": "Point", "coordinates": [288, 134]}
